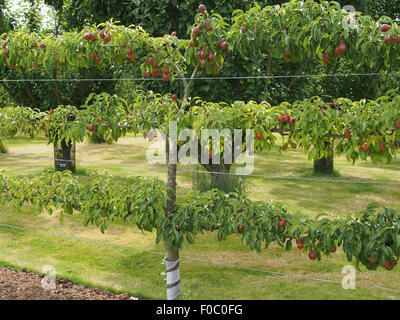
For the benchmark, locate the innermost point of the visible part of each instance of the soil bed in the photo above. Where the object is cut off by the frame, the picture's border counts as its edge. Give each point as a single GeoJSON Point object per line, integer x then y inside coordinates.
{"type": "Point", "coordinates": [24, 285]}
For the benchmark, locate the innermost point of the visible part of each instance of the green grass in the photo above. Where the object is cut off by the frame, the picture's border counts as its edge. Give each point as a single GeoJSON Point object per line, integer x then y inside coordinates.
{"type": "Point", "coordinates": [140, 274]}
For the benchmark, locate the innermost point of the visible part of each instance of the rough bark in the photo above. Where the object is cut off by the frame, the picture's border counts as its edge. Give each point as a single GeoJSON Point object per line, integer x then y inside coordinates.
{"type": "Point", "coordinates": [96, 137]}
{"type": "Point", "coordinates": [324, 165]}
{"type": "Point", "coordinates": [64, 156]}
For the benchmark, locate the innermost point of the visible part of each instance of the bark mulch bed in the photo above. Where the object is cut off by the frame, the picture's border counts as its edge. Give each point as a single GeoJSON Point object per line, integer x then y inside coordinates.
{"type": "Point", "coordinates": [24, 285]}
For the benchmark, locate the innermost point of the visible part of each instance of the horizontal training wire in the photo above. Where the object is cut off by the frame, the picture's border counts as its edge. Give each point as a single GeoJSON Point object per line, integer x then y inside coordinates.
{"type": "Point", "coordinates": [206, 172]}
{"type": "Point", "coordinates": [300, 277]}
{"type": "Point", "coordinates": [210, 78]}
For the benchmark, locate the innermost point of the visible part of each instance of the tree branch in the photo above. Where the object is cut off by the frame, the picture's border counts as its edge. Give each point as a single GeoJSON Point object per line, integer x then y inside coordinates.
{"type": "Point", "coordinates": [28, 89]}
{"type": "Point", "coordinates": [58, 94]}
{"type": "Point", "coordinates": [10, 94]}
{"type": "Point", "coordinates": [296, 75]}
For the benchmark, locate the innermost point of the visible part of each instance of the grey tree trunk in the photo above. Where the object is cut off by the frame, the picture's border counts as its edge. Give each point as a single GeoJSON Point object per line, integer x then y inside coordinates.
{"type": "Point", "coordinates": [96, 137]}
{"type": "Point", "coordinates": [65, 156]}
{"type": "Point", "coordinates": [172, 257]}
{"type": "Point", "coordinates": [324, 165]}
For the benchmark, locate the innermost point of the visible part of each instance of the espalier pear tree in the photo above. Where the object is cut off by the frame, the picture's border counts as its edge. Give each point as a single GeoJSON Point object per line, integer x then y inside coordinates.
{"type": "Point", "coordinates": [361, 130]}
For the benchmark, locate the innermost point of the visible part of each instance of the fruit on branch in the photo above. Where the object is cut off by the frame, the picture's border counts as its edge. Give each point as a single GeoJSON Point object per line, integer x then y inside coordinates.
{"type": "Point", "coordinates": [243, 29]}
{"type": "Point", "coordinates": [131, 58]}
{"type": "Point", "coordinates": [327, 58]}
{"type": "Point", "coordinates": [333, 250]}
{"type": "Point", "coordinates": [292, 121]}
{"type": "Point", "coordinates": [388, 265]}
{"type": "Point", "coordinates": [51, 111]}
{"type": "Point", "coordinates": [395, 145]}
{"type": "Point", "coordinates": [97, 58]}
{"type": "Point", "coordinates": [286, 118]}
{"type": "Point", "coordinates": [312, 255]}
{"type": "Point", "coordinates": [101, 34]}
{"type": "Point", "coordinates": [196, 31]}
{"type": "Point", "coordinates": [341, 49]}
{"type": "Point", "coordinates": [287, 55]}
{"type": "Point", "coordinates": [155, 72]}
{"type": "Point", "coordinates": [4, 44]}
{"type": "Point", "coordinates": [256, 31]}
{"type": "Point", "coordinates": [281, 119]}
{"type": "Point", "coordinates": [389, 39]}
{"type": "Point", "coordinates": [36, 65]}
{"type": "Point", "coordinates": [385, 27]}
{"type": "Point", "coordinates": [208, 27]}
{"type": "Point", "coordinates": [107, 38]}
{"type": "Point", "coordinates": [211, 57]}
{"type": "Point", "coordinates": [397, 125]}
{"type": "Point", "coordinates": [166, 70]}
{"type": "Point", "coordinates": [147, 74]}
{"type": "Point", "coordinates": [202, 9]}
{"type": "Point", "coordinates": [90, 36]}
{"type": "Point", "coordinates": [42, 46]}
{"type": "Point", "coordinates": [300, 244]}
{"type": "Point", "coordinates": [372, 260]}
{"type": "Point", "coordinates": [397, 40]}
{"type": "Point", "coordinates": [129, 51]}
{"type": "Point", "coordinates": [347, 133]}
{"type": "Point", "coordinates": [282, 223]}
{"type": "Point", "coordinates": [364, 147]}
{"type": "Point", "coordinates": [222, 44]}
{"type": "Point", "coordinates": [150, 61]}
{"type": "Point", "coordinates": [259, 136]}
{"type": "Point", "coordinates": [90, 127]}
{"type": "Point", "coordinates": [240, 228]}
{"type": "Point", "coordinates": [174, 97]}
{"type": "Point", "coordinates": [5, 52]}
{"type": "Point", "coordinates": [92, 56]}
{"type": "Point", "coordinates": [382, 146]}
{"type": "Point", "coordinates": [192, 43]}
{"type": "Point", "coordinates": [166, 77]}
{"type": "Point", "coordinates": [173, 34]}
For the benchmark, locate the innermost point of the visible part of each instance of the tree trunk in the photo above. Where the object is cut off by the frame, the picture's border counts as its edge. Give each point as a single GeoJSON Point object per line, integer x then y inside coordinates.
{"type": "Point", "coordinates": [324, 165]}
{"type": "Point", "coordinates": [172, 257]}
{"type": "Point", "coordinates": [3, 147]}
{"type": "Point", "coordinates": [96, 137]}
{"type": "Point", "coordinates": [221, 179]}
{"type": "Point", "coordinates": [64, 156]}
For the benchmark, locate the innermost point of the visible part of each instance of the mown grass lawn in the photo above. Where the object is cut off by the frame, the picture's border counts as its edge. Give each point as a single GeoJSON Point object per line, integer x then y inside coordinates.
{"type": "Point", "coordinates": [140, 273]}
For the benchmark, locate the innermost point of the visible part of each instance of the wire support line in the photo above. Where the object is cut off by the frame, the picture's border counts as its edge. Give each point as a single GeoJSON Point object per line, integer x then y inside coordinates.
{"type": "Point", "coordinates": [209, 78]}
{"type": "Point", "coordinates": [207, 172]}
{"type": "Point", "coordinates": [227, 265]}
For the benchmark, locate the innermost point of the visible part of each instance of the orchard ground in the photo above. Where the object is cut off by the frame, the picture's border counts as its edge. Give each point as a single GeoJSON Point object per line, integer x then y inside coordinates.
{"type": "Point", "coordinates": [141, 274]}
